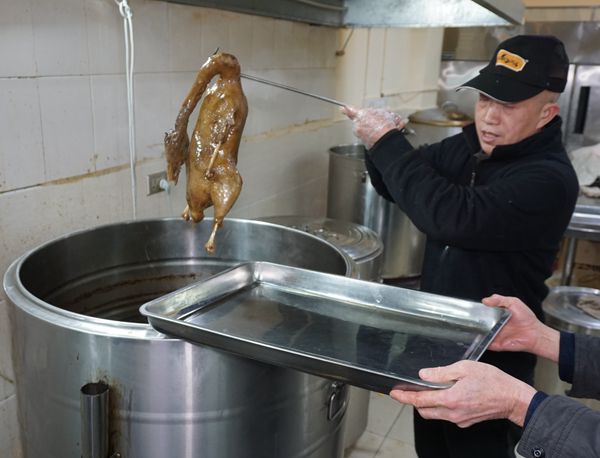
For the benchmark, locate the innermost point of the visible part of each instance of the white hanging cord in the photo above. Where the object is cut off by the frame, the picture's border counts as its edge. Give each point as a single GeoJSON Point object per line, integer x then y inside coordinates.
{"type": "Point", "coordinates": [127, 14]}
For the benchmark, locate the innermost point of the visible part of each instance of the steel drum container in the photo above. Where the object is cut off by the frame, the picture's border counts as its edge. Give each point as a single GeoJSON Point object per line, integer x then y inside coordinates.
{"type": "Point", "coordinates": [365, 248]}
{"type": "Point", "coordinates": [74, 312]}
{"type": "Point", "coordinates": [352, 197]}
{"type": "Point", "coordinates": [435, 124]}
{"type": "Point", "coordinates": [360, 243]}
{"type": "Point", "coordinates": [562, 309]}
{"type": "Point", "coordinates": [563, 312]}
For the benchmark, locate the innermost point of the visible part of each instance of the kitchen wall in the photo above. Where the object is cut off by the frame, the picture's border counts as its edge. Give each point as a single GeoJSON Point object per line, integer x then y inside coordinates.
{"type": "Point", "coordinates": [64, 160]}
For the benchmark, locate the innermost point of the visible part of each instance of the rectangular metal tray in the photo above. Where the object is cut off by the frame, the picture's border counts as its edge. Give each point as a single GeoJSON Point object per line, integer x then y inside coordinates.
{"type": "Point", "coordinates": [367, 334]}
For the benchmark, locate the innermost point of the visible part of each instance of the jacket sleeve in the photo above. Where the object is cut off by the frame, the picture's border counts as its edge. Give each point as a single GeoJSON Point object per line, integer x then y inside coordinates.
{"type": "Point", "coordinates": [505, 215]}
{"type": "Point", "coordinates": [395, 140]}
{"type": "Point", "coordinates": [561, 428]}
{"type": "Point", "coordinates": [586, 373]}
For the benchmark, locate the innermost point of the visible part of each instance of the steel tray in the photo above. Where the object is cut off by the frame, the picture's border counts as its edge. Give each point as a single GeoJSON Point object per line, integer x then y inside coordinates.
{"type": "Point", "coordinates": [367, 334]}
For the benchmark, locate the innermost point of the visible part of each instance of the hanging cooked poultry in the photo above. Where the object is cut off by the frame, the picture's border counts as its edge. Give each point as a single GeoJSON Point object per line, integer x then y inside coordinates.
{"type": "Point", "coordinates": [211, 157]}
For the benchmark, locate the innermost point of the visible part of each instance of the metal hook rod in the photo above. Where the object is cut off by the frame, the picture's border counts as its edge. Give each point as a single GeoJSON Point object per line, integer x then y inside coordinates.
{"type": "Point", "coordinates": [293, 89]}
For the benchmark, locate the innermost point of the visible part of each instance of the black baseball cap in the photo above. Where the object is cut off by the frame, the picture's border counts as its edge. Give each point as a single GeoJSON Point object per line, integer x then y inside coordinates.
{"type": "Point", "coordinates": [522, 67]}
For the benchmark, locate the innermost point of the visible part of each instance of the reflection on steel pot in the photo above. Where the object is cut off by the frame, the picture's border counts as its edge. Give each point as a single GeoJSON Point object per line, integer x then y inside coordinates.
{"type": "Point", "coordinates": [565, 310]}
{"type": "Point", "coordinates": [351, 197]}
{"type": "Point", "coordinates": [433, 125]}
{"type": "Point", "coordinates": [364, 246]}
{"type": "Point", "coordinates": [74, 311]}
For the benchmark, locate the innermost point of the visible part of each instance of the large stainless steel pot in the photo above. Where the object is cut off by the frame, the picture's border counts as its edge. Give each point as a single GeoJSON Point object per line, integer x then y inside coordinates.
{"type": "Point", "coordinates": [562, 312]}
{"type": "Point", "coordinates": [365, 248]}
{"type": "Point", "coordinates": [362, 244]}
{"type": "Point", "coordinates": [75, 321]}
{"type": "Point", "coordinates": [435, 124]}
{"type": "Point", "coordinates": [351, 197]}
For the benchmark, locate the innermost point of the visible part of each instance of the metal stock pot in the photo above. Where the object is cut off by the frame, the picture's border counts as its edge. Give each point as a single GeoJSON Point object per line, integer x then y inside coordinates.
{"type": "Point", "coordinates": [435, 124]}
{"type": "Point", "coordinates": [74, 312]}
{"type": "Point", "coordinates": [352, 197]}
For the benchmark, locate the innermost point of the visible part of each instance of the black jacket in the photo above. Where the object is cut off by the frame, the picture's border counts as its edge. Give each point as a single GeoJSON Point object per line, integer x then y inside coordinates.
{"type": "Point", "coordinates": [493, 223]}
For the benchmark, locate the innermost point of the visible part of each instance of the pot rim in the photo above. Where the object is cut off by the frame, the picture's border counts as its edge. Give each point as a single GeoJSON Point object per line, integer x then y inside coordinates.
{"type": "Point", "coordinates": [21, 298]}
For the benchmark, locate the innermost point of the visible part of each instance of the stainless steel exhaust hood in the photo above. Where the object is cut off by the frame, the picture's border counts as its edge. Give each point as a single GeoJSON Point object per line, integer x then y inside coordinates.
{"type": "Point", "coordinates": [433, 13]}
{"type": "Point", "coordinates": [380, 13]}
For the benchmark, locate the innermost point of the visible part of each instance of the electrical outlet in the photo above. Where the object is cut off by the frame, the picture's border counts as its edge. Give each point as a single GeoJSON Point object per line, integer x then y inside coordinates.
{"type": "Point", "coordinates": [154, 182]}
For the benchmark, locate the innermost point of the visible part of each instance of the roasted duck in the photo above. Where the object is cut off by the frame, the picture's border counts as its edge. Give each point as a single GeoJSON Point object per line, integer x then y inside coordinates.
{"type": "Point", "coordinates": [211, 157]}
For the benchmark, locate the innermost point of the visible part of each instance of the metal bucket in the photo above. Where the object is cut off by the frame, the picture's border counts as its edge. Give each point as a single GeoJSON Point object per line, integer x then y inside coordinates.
{"type": "Point", "coordinates": [366, 250]}
{"type": "Point", "coordinates": [435, 124]}
{"type": "Point", "coordinates": [351, 197]}
{"type": "Point", "coordinates": [562, 313]}
{"type": "Point", "coordinates": [75, 321]}
{"type": "Point", "coordinates": [360, 243]}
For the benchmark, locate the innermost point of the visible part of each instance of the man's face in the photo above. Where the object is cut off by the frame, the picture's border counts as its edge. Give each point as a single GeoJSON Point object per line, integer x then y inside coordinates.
{"type": "Point", "coordinates": [500, 123]}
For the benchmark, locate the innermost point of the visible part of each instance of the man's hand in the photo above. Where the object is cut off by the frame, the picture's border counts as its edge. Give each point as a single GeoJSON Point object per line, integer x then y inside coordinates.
{"type": "Point", "coordinates": [523, 332]}
{"type": "Point", "coordinates": [480, 392]}
{"type": "Point", "coordinates": [370, 124]}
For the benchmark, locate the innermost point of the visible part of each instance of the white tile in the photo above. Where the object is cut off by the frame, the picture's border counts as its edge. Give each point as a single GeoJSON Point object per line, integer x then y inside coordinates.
{"type": "Point", "coordinates": [263, 43]}
{"type": "Point", "coordinates": [350, 82]}
{"type": "Point", "coordinates": [21, 152]}
{"type": "Point", "coordinates": [307, 200]}
{"type": "Point", "coordinates": [180, 84]}
{"type": "Point", "coordinates": [396, 449]}
{"type": "Point", "coordinates": [241, 31]}
{"type": "Point", "coordinates": [151, 35]}
{"type": "Point", "coordinates": [60, 37]}
{"type": "Point", "coordinates": [185, 36]}
{"type": "Point", "coordinates": [402, 429]}
{"type": "Point", "coordinates": [424, 66]}
{"type": "Point", "coordinates": [290, 50]}
{"type": "Point", "coordinates": [68, 138]}
{"type": "Point", "coordinates": [10, 444]}
{"type": "Point", "coordinates": [278, 165]}
{"type": "Point", "coordinates": [214, 32]}
{"type": "Point", "coordinates": [110, 121]}
{"type": "Point", "coordinates": [7, 374]}
{"type": "Point", "coordinates": [272, 108]}
{"type": "Point", "coordinates": [366, 446]}
{"type": "Point", "coordinates": [152, 117]}
{"type": "Point", "coordinates": [322, 43]}
{"type": "Point", "coordinates": [375, 62]}
{"type": "Point", "coordinates": [383, 412]}
{"type": "Point", "coordinates": [16, 45]}
{"type": "Point", "coordinates": [299, 52]}
{"type": "Point", "coordinates": [106, 41]}
{"type": "Point", "coordinates": [36, 215]}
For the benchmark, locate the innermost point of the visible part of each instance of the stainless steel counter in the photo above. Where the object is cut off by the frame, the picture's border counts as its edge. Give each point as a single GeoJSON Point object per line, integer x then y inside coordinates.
{"type": "Point", "coordinates": [585, 224]}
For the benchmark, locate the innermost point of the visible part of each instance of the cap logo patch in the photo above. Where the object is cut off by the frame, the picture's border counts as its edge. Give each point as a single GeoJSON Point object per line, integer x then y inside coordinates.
{"type": "Point", "coordinates": [509, 60]}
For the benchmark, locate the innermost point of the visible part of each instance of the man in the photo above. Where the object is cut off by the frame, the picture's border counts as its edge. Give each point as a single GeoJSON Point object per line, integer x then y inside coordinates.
{"type": "Point", "coordinates": [494, 202]}
{"type": "Point", "coordinates": [553, 425]}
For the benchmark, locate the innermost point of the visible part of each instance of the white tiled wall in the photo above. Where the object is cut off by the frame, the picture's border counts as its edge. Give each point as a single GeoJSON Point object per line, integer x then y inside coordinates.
{"type": "Point", "coordinates": [63, 117]}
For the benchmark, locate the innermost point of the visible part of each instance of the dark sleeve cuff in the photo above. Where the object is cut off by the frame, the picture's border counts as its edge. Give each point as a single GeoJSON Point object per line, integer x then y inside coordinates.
{"type": "Point", "coordinates": [566, 357]}
{"type": "Point", "coordinates": [535, 402]}
{"type": "Point", "coordinates": [384, 137]}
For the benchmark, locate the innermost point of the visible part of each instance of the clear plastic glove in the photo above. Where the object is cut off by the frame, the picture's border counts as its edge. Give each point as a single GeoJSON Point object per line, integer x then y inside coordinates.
{"type": "Point", "coordinates": [370, 124]}
{"type": "Point", "coordinates": [480, 392]}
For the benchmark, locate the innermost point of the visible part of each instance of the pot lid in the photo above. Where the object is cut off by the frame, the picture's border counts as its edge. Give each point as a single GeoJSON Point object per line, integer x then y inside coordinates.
{"type": "Point", "coordinates": [574, 307]}
{"type": "Point", "coordinates": [447, 116]}
{"type": "Point", "coordinates": [357, 241]}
